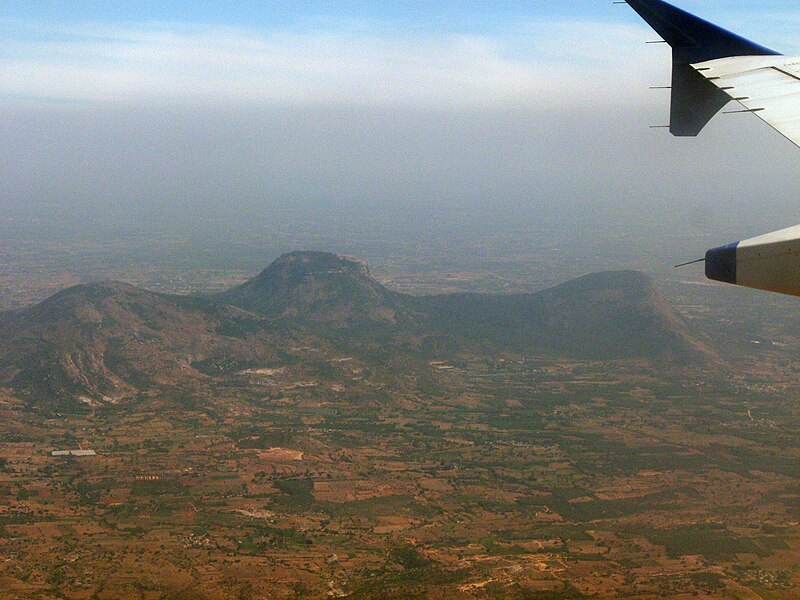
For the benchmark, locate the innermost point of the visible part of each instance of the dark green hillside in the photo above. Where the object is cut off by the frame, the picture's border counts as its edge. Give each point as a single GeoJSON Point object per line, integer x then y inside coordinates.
{"type": "Point", "coordinates": [603, 315]}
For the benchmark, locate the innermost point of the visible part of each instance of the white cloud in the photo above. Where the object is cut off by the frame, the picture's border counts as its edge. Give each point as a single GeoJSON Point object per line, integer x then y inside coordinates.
{"type": "Point", "coordinates": [542, 64]}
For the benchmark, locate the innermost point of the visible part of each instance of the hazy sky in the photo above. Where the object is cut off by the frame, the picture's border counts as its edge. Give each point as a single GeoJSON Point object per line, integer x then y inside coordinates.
{"type": "Point", "coordinates": [181, 110]}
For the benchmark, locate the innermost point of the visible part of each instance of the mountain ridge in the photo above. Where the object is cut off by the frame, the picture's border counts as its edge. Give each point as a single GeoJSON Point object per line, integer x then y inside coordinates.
{"type": "Point", "coordinates": [104, 342]}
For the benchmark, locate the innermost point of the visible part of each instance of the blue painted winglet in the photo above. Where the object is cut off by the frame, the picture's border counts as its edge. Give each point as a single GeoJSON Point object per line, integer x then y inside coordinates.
{"type": "Point", "coordinates": [696, 40]}
{"type": "Point", "coordinates": [694, 99]}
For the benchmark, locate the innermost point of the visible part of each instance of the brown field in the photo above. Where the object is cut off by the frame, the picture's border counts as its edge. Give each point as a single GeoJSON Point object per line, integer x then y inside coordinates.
{"type": "Point", "coordinates": [525, 485]}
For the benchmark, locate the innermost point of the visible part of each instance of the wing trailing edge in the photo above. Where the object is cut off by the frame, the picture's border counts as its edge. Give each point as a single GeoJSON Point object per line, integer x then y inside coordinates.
{"type": "Point", "coordinates": [695, 100]}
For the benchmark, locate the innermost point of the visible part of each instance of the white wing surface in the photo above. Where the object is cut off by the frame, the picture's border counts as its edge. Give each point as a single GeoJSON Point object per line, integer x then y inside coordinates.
{"type": "Point", "coordinates": [767, 86]}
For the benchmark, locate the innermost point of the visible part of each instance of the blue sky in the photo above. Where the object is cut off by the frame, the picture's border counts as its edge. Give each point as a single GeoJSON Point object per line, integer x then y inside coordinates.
{"type": "Point", "coordinates": [463, 15]}
{"type": "Point", "coordinates": [441, 13]}
{"type": "Point", "coordinates": [473, 14]}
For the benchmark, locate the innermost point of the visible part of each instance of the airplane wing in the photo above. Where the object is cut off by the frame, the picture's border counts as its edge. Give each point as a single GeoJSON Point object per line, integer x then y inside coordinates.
{"type": "Point", "coordinates": [768, 86]}
{"type": "Point", "coordinates": [710, 67]}
{"type": "Point", "coordinates": [695, 100]}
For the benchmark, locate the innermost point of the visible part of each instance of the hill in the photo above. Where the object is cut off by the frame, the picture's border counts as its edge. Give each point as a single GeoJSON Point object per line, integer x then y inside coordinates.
{"type": "Point", "coordinates": [108, 341]}
{"type": "Point", "coordinates": [320, 288]}
{"type": "Point", "coordinates": [609, 315]}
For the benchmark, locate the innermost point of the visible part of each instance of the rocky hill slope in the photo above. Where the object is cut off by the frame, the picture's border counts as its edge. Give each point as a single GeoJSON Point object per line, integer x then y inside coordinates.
{"type": "Point", "coordinates": [105, 341]}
